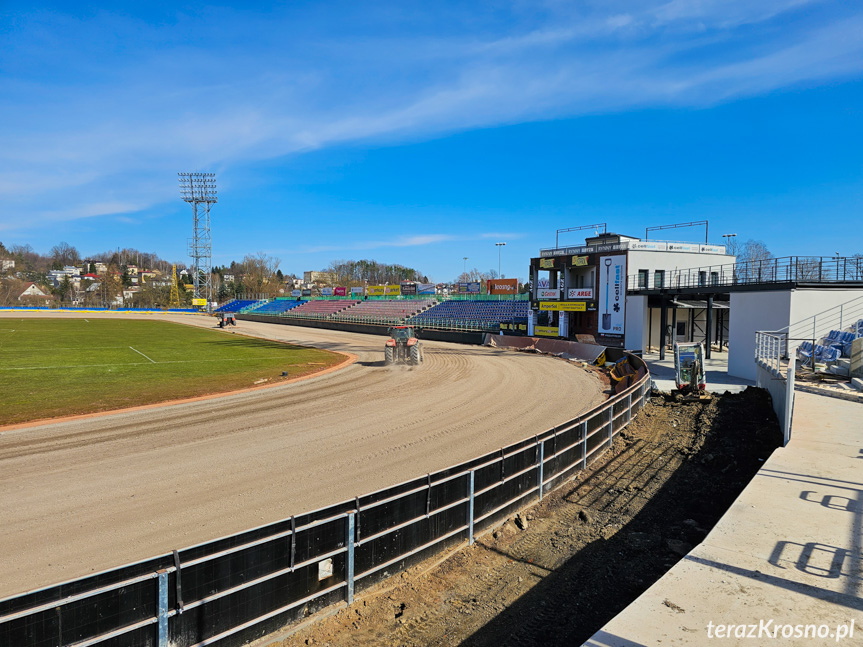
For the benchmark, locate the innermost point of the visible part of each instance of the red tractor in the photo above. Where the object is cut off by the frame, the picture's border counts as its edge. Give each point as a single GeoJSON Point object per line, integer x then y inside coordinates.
{"type": "Point", "coordinates": [403, 347]}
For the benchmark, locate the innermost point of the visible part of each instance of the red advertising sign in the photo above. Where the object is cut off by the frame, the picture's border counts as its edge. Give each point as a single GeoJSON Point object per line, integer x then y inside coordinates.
{"type": "Point", "coordinates": [340, 292]}
{"type": "Point", "coordinates": [502, 286]}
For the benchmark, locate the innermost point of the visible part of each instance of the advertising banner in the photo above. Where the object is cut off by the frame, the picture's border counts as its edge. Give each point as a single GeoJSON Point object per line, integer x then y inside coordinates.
{"type": "Point", "coordinates": [326, 292]}
{"type": "Point", "coordinates": [409, 289]}
{"type": "Point", "coordinates": [377, 290]}
{"type": "Point", "coordinates": [612, 294]}
{"type": "Point", "coordinates": [580, 261]}
{"type": "Point", "coordinates": [579, 293]}
{"type": "Point", "coordinates": [543, 283]}
{"type": "Point", "coordinates": [682, 247]}
{"type": "Point", "coordinates": [306, 293]}
{"type": "Point", "coordinates": [341, 292]}
{"type": "Point", "coordinates": [653, 246]}
{"type": "Point", "coordinates": [546, 263]}
{"type": "Point", "coordinates": [563, 306]}
{"type": "Point", "coordinates": [425, 288]}
{"type": "Point", "coordinates": [546, 331]}
{"type": "Point", "coordinates": [199, 302]}
{"type": "Point", "coordinates": [393, 290]}
{"type": "Point", "coordinates": [470, 287]}
{"type": "Point", "coordinates": [548, 293]}
{"type": "Point", "coordinates": [502, 286]}
{"type": "Point", "coordinates": [356, 291]}
{"type": "Point", "coordinates": [296, 293]}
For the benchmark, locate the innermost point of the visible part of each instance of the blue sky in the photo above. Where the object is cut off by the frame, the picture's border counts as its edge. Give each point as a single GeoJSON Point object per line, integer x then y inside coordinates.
{"type": "Point", "coordinates": [421, 133]}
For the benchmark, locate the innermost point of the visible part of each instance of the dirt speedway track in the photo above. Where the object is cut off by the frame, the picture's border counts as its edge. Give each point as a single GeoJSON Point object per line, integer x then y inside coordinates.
{"type": "Point", "coordinates": [89, 494]}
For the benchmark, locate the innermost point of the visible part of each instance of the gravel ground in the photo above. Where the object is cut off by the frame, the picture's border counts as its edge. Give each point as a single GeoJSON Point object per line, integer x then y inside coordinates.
{"type": "Point", "coordinates": [89, 494]}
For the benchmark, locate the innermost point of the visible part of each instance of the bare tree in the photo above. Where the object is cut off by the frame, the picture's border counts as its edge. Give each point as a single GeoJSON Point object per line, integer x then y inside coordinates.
{"type": "Point", "coordinates": [259, 274]}
{"type": "Point", "coordinates": [754, 262]}
{"type": "Point", "coordinates": [65, 254]}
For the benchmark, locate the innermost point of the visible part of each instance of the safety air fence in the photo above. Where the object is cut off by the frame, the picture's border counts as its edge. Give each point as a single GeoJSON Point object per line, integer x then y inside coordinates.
{"type": "Point", "coordinates": [236, 589]}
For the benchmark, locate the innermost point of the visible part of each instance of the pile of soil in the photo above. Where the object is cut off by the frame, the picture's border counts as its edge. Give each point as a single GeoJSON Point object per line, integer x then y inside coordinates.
{"type": "Point", "coordinates": [559, 571]}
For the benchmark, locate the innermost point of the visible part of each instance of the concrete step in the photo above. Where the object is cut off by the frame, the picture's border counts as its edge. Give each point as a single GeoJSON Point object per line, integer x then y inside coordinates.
{"type": "Point", "coordinates": [857, 383]}
{"type": "Point", "coordinates": [839, 370]}
{"type": "Point", "coordinates": [844, 362]}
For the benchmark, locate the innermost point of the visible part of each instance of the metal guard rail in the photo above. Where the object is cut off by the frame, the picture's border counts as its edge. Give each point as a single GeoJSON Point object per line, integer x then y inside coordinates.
{"type": "Point", "coordinates": [450, 505]}
{"type": "Point", "coordinates": [787, 269]}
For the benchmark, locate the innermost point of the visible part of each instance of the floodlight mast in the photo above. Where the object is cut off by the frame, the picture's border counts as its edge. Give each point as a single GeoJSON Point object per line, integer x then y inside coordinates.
{"type": "Point", "coordinates": [199, 190]}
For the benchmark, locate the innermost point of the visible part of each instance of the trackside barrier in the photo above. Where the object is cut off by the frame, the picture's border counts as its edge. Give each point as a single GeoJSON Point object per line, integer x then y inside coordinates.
{"type": "Point", "coordinates": [235, 589]}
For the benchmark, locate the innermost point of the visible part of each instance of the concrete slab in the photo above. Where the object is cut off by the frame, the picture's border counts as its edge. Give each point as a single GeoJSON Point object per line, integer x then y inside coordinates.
{"type": "Point", "coordinates": [789, 551]}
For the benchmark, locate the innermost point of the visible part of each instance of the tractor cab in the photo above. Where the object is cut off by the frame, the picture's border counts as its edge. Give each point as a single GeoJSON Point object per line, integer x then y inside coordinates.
{"type": "Point", "coordinates": [402, 347]}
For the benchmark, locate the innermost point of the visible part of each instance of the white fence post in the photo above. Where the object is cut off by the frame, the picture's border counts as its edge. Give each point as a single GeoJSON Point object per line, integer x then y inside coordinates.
{"type": "Point", "coordinates": [470, 487]}
{"type": "Point", "coordinates": [541, 456]}
{"type": "Point", "coordinates": [162, 608]}
{"type": "Point", "coordinates": [349, 561]}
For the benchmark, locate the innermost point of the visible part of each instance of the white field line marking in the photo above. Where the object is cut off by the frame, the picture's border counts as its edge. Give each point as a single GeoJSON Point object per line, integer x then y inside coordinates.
{"type": "Point", "coordinates": [142, 355]}
{"type": "Point", "coordinates": [170, 361]}
{"type": "Point", "coordinates": [52, 349]}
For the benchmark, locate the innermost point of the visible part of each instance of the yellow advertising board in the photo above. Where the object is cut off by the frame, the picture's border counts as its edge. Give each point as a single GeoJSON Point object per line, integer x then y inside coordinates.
{"type": "Point", "coordinates": [394, 290]}
{"type": "Point", "coordinates": [563, 306]}
{"type": "Point", "coordinates": [546, 263]}
{"type": "Point", "coordinates": [579, 261]}
{"type": "Point", "coordinates": [546, 331]}
{"type": "Point", "coordinates": [377, 290]}
{"type": "Point", "coordinates": [199, 302]}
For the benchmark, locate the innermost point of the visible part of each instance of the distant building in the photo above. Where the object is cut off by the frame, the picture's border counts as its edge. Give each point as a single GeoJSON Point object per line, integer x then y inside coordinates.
{"type": "Point", "coordinates": [72, 273]}
{"type": "Point", "coordinates": [7, 264]}
{"type": "Point", "coordinates": [318, 277]}
{"type": "Point", "coordinates": [31, 290]}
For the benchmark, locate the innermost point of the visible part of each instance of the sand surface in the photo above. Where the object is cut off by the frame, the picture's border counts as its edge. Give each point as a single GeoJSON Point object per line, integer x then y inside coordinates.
{"type": "Point", "coordinates": [89, 494]}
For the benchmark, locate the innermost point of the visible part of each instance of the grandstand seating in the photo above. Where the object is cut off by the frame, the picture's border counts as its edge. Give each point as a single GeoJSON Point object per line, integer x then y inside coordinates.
{"type": "Point", "coordinates": [275, 307]}
{"type": "Point", "coordinates": [388, 310]}
{"type": "Point", "coordinates": [485, 312]}
{"type": "Point", "coordinates": [322, 308]}
{"type": "Point", "coordinates": [822, 353]}
{"type": "Point", "coordinates": [840, 340]}
{"type": "Point", "coordinates": [236, 305]}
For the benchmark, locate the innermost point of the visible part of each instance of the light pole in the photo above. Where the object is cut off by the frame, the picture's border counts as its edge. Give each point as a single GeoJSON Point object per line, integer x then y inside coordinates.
{"type": "Point", "coordinates": [728, 238]}
{"type": "Point", "coordinates": [464, 269]}
{"type": "Point", "coordinates": [498, 245]}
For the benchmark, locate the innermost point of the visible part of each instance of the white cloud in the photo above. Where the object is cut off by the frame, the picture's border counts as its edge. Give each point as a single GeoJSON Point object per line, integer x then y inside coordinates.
{"type": "Point", "coordinates": [113, 136]}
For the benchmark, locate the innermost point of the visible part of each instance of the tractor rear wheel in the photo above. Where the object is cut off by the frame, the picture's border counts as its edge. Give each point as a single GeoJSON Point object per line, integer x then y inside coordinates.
{"type": "Point", "coordinates": [416, 357]}
{"type": "Point", "coordinates": [388, 355]}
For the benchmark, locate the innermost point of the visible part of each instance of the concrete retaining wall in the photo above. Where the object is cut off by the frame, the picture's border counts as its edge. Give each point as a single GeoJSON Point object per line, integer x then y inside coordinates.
{"type": "Point", "coordinates": [781, 389]}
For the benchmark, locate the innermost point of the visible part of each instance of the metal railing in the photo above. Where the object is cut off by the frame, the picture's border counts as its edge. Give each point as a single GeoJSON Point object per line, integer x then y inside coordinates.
{"type": "Point", "coordinates": [772, 347]}
{"type": "Point", "coordinates": [788, 269]}
{"type": "Point", "coordinates": [234, 589]}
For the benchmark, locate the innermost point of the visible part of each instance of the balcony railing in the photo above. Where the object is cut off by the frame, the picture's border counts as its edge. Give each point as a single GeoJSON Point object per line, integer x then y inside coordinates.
{"type": "Point", "coordinates": [788, 269]}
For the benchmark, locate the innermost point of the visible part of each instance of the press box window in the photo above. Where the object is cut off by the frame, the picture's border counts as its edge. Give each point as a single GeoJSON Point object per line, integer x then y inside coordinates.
{"type": "Point", "coordinates": [659, 279]}
{"type": "Point", "coordinates": [642, 278]}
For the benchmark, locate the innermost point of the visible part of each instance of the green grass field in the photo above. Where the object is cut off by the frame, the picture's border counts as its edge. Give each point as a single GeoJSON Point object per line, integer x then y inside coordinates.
{"type": "Point", "coordinates": [61, 367]}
